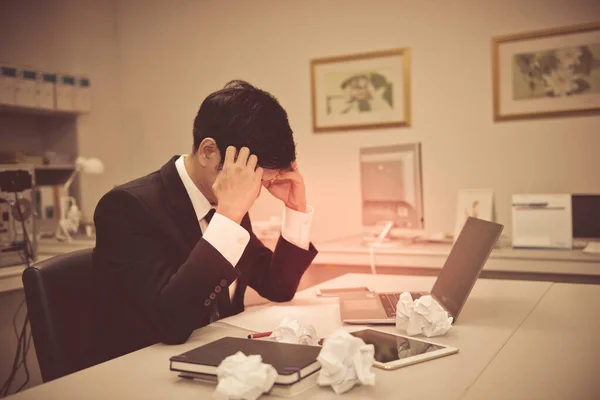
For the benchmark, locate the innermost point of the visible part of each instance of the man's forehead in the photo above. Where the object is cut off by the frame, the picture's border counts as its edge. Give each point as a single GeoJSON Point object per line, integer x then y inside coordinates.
{"type": "Point", "coordinates": [277, 171]}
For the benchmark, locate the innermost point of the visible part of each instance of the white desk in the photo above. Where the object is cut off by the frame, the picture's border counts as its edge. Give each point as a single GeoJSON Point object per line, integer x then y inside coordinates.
{"type": "Point", "coordinates": [493, 313]}
{"type": "Point", "coordinates": [10, 277]}
{"type": "Point", "coordinates": [553, 355]}
{"type": "Point", "coordinates": [351, 251]}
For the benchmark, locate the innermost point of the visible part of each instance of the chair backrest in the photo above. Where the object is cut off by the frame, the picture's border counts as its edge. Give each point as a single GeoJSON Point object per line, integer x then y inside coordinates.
{"type": "Point", "coordinates": [58, 292]}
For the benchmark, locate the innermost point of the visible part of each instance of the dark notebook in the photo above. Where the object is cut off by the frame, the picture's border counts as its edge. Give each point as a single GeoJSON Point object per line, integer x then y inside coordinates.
{"type": "Point", "coordinates": [291, 361]}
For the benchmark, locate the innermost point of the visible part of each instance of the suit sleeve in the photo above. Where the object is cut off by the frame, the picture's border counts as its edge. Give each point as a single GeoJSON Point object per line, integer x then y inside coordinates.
{"type": "Point", "coordinates": [276, 275]}
{"type": "Point", "coordinates": [131, 253]}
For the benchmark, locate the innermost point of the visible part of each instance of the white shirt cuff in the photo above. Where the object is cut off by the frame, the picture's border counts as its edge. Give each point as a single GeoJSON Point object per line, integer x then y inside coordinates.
{"type": "Point", "coordinates": [227, 237]}
{"type": "Point", "coordinates": [295, 227]}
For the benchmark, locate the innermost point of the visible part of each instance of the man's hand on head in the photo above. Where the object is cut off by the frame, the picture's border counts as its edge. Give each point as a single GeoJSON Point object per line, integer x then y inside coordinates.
{"type": "Point", "coordinates": [289, 188]}
{"type": "Point", "coordinates": [238, 184]}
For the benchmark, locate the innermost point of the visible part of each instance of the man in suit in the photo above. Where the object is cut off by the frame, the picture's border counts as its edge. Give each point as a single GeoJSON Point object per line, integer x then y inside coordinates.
{"type": "Point", "coordinates": [175, 249]}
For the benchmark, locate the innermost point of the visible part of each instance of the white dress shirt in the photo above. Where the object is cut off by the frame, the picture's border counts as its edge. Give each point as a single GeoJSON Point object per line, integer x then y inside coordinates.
{"type": "Point", "coordinates": [229, 238]}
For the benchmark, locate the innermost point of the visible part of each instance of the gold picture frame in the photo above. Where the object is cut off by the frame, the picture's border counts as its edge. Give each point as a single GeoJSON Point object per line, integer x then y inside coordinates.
{"type": "Point", "coordinates": [547, 73]}
{"type": "Point", "coordinates": [361, 91]}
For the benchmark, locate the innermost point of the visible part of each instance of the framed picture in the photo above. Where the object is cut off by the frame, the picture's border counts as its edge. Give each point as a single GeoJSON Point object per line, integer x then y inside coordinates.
{"type": "Point", "coordinates": [362, 91]}
{"type": "Point", "coordinates": [476, 203]}
{"type": "Point", "coordinates": [547, 73]}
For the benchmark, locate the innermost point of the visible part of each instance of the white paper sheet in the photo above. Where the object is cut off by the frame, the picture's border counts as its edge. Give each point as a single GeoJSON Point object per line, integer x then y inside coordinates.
{"type": "Point", "coordinates": [327, 318]}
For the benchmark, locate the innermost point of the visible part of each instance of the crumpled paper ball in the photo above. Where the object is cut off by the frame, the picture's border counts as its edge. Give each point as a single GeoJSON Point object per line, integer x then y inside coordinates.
{"type": "Point", "coordinates": [243, 377]}
{"type": "Point", "coordinates": [346, 361]}
{"type": "Point", "coordinates": [292, 331]}
{"type": "Point", "coordinates": [422, 316]}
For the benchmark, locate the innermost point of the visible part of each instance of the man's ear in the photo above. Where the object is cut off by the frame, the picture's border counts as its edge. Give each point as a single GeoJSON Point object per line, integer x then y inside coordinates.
{"type": "Point", "coordinates": [208, 152]}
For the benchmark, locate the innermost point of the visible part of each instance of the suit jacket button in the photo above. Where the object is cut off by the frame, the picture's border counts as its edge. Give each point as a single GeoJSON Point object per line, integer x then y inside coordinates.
{"type": "Point", "coordinates": [217, 289]}
{"type": "Point", "coordinates": [207, 302]}
{"type": "Point", "coordinates": [223, 282]}
{"type": "Point", "coordinates": [212, 296]}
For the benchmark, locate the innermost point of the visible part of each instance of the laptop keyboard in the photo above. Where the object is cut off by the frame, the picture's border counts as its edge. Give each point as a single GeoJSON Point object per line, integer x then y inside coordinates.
{"type": "Point", "coordinates": [390, 300]}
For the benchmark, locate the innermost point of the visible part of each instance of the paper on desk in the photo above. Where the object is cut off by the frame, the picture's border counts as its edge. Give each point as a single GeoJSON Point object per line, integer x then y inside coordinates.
{"type": "Point", "coordinates": [243, 377]}
{"type": "Point", "coordinates": [292, 331]}
{"type": "Point", "coordinates": [404, 310]}
{"type": "Point", "coordinates": [345, 362]}
{"type": "Point", "coordinates": [422, 316]}
{"type": "Point", "coordinates": [323, 313]}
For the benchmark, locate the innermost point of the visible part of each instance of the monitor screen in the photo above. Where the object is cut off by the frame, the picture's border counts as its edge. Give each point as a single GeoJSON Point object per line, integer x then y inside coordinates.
{"type": "Point", "coordinates": [391, 186]}
{"type": "Point", "coordinates": [586, 216]}
{"type": "Point", "coordinates": [464, 263]}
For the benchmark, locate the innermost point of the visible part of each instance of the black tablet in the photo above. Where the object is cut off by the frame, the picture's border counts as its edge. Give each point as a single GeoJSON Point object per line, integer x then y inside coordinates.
{"type": "Point", "coordinates": [395, 351]}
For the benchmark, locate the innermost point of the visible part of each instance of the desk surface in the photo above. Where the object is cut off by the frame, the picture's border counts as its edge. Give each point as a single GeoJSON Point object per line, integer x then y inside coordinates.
{"type": "Point", "coordinates": [556, 351]}
{"type": "Point", "coordinates": [352, 251]}
{"type": "Point", "coordinates": [10, 277]}
{"type": "Point", "coordinates": [494, 315]}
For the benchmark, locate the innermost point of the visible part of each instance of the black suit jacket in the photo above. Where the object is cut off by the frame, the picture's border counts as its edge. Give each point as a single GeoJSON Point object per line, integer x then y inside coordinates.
{"type": "Point", "coordinates": [156, 277]}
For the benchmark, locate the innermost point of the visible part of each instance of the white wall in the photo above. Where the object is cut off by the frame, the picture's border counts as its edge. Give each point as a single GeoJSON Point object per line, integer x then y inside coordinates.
{"type": "Point", "coordinates": [152, 65]}
{"type": "Point", "coordinates": [175, 53]}
{"type": "Point", "coordinates": [63, 36]}
{"type": "Point", "coordinates": [78, 37]}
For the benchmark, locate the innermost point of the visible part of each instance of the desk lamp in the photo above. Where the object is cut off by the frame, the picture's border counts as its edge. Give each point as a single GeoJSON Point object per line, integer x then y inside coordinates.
{"type": "Point", "coordinates": [69, 211]}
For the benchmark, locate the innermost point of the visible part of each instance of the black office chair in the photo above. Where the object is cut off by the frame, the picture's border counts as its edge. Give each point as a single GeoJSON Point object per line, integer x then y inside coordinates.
{"type": "Point", "coordinates": [58, 292]}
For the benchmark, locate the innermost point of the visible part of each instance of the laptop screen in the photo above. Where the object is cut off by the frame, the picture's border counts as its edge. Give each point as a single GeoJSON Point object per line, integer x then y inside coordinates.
{"type": "Point", "coordinates": [466, 260]}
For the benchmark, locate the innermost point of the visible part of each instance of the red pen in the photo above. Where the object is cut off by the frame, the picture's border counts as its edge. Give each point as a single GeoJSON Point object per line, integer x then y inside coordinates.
{"type": "Point", "coordinates": [259, 335]}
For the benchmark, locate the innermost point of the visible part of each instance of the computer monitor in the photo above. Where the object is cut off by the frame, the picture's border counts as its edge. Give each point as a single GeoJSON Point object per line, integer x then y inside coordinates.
{"type": "Point", "coordinates": [586, 216]}
{"type": "Point", "coordinates": [391, 186]}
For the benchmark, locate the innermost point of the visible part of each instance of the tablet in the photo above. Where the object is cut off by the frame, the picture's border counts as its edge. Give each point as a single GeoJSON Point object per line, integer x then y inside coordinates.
{"type": "Point", "coordinates": [395, 351]}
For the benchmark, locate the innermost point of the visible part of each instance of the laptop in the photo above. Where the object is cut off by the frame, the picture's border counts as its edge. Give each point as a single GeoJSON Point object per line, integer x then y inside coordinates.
{"type": "Point", "coordinates": [451, 289]}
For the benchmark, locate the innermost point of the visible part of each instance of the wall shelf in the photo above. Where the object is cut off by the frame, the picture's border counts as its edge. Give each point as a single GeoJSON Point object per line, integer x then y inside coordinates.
{"type": "Point", "coordinates": [61, 167]}
{"type": "Point", "coordinates": [44, 112]}
{"type": "Point", "coordinates": [49, 175]}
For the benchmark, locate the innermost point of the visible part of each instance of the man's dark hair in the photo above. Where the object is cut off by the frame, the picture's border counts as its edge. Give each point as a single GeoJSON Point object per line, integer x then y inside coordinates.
{"type": "Point", "coordinates": [242, 115]}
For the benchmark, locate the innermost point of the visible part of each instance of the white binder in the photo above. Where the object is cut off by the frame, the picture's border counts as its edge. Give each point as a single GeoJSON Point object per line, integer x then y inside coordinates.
{"type": "Point", "coordinates": [82, 100]}
{"type": "Point", "coordinates": [26, 88]}
{"type": "Point", "coordinates": [45, 96]}
{"type": "Point", "coordinates": [65, 92]}
{"type": "Point", "coordinates": [8, 84]}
